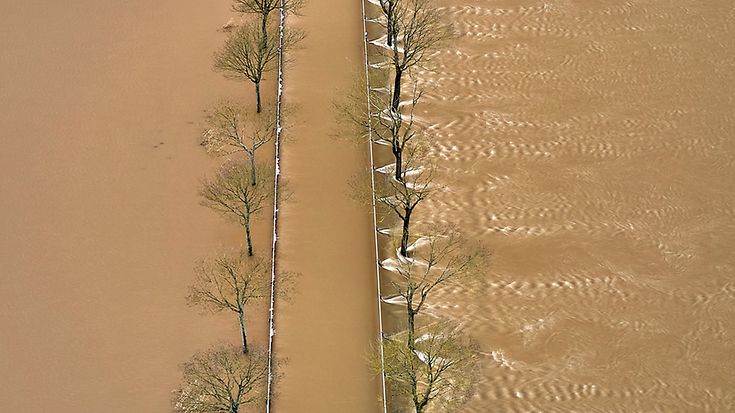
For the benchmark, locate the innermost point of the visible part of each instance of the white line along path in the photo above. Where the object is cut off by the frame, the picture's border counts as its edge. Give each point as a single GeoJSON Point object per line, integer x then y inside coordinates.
{"type": "Point", "coordinates": [375, 215]}
{"type": "Point", "coordinates": [279, 97]}
{"type": "Point", "coordinates": [277, 174]}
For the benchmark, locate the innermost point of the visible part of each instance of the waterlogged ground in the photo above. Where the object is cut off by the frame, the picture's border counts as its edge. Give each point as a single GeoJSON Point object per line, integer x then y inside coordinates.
{"type": "Point", "coordinates": [100, 110]}
{"type": "Point", "coordinates": [587, 145]}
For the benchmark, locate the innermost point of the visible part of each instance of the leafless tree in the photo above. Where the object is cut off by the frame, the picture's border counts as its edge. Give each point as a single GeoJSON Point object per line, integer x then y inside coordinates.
{"type": "Point", "coordinates": [264, 8]}
{"type": "Point", "coordinates": [230, 129]}
{"type": "Point", "coordinates": [248, 54]}
{"type": "Point", "coordinates": [394, 128]}
{"type": "Point", "coordinates": [403, 196]}
{"type": "Point", "coordinates": [353, 119]}
{"type": "Point", "coordinates": [221, 380]}
{"type": "Point", "coordinates": [230, 282]}
{"type": "Point", "coordinates": [419, 28]}
{"type": "Point", "coordinates": [397, 129]}
{"type": "Point", "coordinates": [440, 371]}
{"type": "Point", "coordinates": [438, 260]}
{"type": "Point", "coordinates": [229, 192]}
{"type": "Point", "coordinates": [351, 111]}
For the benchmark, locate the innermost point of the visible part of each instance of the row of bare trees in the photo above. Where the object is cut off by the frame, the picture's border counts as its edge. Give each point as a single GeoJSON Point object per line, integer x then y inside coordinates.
{"type": "Point", "coordinates": [225, 378]}
{"type": "Point", "coordinates": [429, 364]}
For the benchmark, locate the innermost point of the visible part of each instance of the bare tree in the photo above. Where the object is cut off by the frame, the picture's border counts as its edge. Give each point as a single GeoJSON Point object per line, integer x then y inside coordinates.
{"type": "Point", "coordinates": [403, 196]}
{"type": "Point", "coordinates": [221, 380]}
{"type": "Point", "coordinates": [230, 129]}
{"type": "Point", "coordinates": [264, 8]}
{"type": "Point", "coordinates": [353, 116]}
{"type": "Point", "coordinates": [230, 282]}
{"type": "Point", "coordinates": [229, 192]}
{"type": "Point", "coordinates": [443, 259]}
{"type": "Point", "coordinates": [419, 28]}
{"type": "Point", "coordinates": [397, 129]}
{"type": "Point", "coordinates": [248, 54]}
{"type": "Point", "coordinates": [440, 371]}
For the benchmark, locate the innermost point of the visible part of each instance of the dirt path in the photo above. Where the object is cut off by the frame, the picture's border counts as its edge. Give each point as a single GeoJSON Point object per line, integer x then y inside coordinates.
{"type": "Point", "coordinates": [327, 330]}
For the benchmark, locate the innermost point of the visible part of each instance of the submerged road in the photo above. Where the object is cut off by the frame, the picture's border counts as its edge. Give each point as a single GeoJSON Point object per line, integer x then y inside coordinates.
{"type": "Point", "coordinates": [326, 332]}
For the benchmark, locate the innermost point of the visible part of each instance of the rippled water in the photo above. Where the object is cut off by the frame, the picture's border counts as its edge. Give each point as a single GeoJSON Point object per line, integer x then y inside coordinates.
{"type": "Point", "coordinates": [588, 145]}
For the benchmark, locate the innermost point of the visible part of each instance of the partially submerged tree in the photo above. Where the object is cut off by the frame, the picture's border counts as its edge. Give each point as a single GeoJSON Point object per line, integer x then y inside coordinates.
{"type": "Point", "coordinates": [221, 380]}
{"type": "Point", "coordinates": [264, 8]}
{"type": "Point", "coordinates": [353, 116]}
{"type": "Point", "coordinates": [419, 28]}
{"type": "Point", "coordinates": [248, 54]}
{"type": "Point", "coordinates": [439, 260]}
{"type": "Point", "coordinates": [230, 129]}
{"type": "Point", "coordinates": [397, 129]}
{"type": "Point", "coordinates": [440, 371]}
{"type": "Point", "coordinates": [403, 196]}
{"type": "Point", "coordinates": [230, 193]}
{"type": "Point", "coordinates": [230, 282]}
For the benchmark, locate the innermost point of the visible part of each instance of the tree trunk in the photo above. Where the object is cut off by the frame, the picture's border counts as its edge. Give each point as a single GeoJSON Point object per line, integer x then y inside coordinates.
{"type": "Point", "coordinates": [257, 96]}
{"type": "Point", "coordinates": [389, 25]}
{"type": "Point", "coordinates": [411, 325]}
{"type": "Point", "coordinates": [241, 314]}
{"type": "Point", "coordinates": [398, 154]}
{"type": "Point", "coordinates": [264, 38]}
{"type": "Point", "coordinates": [247, 233]}
{"type": "Point", "coordinates": [404, 237]}
{"type": "Point", "coordinates": [252, 168]}
{"type": "Point", "coordinates": [397, 90]}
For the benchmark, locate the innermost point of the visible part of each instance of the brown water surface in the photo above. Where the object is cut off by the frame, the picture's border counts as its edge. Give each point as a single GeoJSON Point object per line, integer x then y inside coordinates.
{"type": "Point", "coordinates": [326, 332]}
{"type": "Point", "coordinates": [100, 110]}
{"type": "Point", "coordinates": [588, 144]}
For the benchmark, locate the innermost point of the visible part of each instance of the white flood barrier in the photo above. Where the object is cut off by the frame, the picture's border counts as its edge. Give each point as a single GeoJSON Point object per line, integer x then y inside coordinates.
{"type": "Point", "coordinates": [396, 300]}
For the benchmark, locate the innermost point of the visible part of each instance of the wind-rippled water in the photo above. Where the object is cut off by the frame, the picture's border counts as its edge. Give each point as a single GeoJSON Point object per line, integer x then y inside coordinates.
{"type": "Point", "coordinates": [588, 144]}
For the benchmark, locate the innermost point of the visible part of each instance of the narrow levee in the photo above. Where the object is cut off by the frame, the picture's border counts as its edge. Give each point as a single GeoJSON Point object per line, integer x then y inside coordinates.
{"type": "Point", "coordinates": [326, 332]}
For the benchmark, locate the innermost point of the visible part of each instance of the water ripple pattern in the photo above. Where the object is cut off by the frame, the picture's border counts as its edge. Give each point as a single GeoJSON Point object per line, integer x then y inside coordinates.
{"type": "Point", "coordinates": [589, 145]}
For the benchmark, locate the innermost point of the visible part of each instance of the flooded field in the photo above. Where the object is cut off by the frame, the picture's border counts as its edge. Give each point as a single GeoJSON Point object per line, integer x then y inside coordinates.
{"type": "Point", "coordinates": [588, 145]}
{"type": "Point", "coordinates": [101, 108]}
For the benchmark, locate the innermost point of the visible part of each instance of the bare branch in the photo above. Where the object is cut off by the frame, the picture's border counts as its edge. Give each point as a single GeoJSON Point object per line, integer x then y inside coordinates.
{"type": "Point", "coordinates": [403, 196]}
{"type": "Point", "coordinates": [440, 371]}
{"type": "Point", "coordinates": [265, 7]}
{"type": "Point", "coordinates": [243, 55]}
{"type": "Point", "coordinates": [231, 129]}
{"type": "Point", "coordinates": [249, 52]}
{"type": "Point", "coordinates": [221, 380]}
{"type": "Point", "coordinates": [229, 282]}
{"type": "Point", "coordinates": [231, 193]}
{"type": "Point", "coordinates": [419, 28]}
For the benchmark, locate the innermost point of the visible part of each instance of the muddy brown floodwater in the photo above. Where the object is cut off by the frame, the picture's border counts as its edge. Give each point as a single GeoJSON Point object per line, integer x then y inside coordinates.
{"type": "Point", "coordinates": [588, 145]}
{"type": "Point", "coordinates": [100, 111]}
{"type": "Point", "coordinates": [326, 332]}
